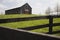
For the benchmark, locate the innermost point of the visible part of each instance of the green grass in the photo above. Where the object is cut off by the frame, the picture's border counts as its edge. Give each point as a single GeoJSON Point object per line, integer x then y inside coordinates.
{"type": "Point", "coordinates": [41, 30]}
{"type": "Point", "coordinates": [56, 20]}
{"type": "Point", "coordinates": [57, 34]}
{"type": "Point", "coordinates": [44, 30]}
{"type": "Point", "coordinates": [56, 28]}
{"type": "Point", "coordinates": [24, 24]}
{"type": "Point", "coordinates": [17, 16]}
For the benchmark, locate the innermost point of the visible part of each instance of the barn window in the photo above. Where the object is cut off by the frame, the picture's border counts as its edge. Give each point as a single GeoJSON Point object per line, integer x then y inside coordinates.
{"type": "Point", "coordinates": [26, 10]}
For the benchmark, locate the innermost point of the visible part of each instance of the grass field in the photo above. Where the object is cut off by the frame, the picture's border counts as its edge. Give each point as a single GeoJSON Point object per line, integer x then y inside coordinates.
{"type": "Point", "coordinates": [44, 30]}
{"type": "Point", "coordinates": [56, 20]}
{"type": "Point", "coordinates": [17, 16]}
{"type": "Point", "coordinates": [24, 24]}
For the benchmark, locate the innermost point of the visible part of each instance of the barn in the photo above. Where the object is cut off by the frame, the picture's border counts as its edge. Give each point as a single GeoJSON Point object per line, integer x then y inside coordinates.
{"type": "Point", "coordinates": [25, 9]}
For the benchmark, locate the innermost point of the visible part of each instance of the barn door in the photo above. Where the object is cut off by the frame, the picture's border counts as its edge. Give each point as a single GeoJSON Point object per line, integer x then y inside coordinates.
{"type": "Point", "coordinates": [26, 11]}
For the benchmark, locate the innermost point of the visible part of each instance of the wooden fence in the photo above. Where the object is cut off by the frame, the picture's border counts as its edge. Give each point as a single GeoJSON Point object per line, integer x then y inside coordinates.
{"type": "Point", "coordinates": [25, 19]}
{"type": "Point", "coordinates": [18, 34]}
{"type": "Point", "coordinates": [50, 25]}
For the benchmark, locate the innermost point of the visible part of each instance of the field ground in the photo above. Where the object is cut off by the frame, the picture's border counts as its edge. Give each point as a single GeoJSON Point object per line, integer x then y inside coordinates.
{"type": "Point", "coordinates": [17, 16]}
{"type": "Point", "coordinates": [44, 30]}
{"type": "Point", "coordinates": [24, 24]}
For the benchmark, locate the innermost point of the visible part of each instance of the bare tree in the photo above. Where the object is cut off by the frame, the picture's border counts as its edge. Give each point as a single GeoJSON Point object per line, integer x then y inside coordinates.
{"type": "Point", "coordinates": [57, 9]}
{"type": "Point", "coordinates": [48, 11]}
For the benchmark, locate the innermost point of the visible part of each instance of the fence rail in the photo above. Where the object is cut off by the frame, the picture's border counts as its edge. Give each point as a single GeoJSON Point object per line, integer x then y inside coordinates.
{"type": "Point", "coordinates": [18, 34]}
{"type": "Point", "coordinates": [39, 26]}
{"type": "Point", "coordinates": [26, 19]}
{"type": "Point", "coordinates": [50, 25]}
{"type": "Point", "coordinates": [15, 34]}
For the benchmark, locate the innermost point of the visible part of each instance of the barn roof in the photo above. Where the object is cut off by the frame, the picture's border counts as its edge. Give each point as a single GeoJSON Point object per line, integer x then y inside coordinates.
{"type": "Point", "coordinates": [26, 4]}
{"type": "Point", "coordinates": [21, 6]}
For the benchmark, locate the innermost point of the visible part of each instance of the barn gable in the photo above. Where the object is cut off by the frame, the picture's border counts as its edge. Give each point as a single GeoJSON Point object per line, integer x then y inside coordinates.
{"type": "Point", "coordinates": [26, 5]}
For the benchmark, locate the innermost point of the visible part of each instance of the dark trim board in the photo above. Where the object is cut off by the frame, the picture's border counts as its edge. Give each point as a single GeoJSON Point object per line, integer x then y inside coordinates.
{"type": "Point", "coordinates": [15, 34]}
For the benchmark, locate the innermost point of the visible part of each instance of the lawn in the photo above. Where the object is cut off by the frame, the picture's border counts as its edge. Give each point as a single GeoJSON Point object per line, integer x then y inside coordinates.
{"type": "Point", "coordinates": [57, 34]}
{"type": "Point", "coordinates": [44, 30]}
{"type": "Point", "coordinates": [56, 20]}
{"type": "Point", "coordinates": [17, 16]}
{"type": "Point", "coordinates": [23, 24]}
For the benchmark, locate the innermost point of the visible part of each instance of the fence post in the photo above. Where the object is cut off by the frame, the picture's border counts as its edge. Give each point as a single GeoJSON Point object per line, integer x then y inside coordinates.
{"type": "Point", "coordinates": [50, 24]}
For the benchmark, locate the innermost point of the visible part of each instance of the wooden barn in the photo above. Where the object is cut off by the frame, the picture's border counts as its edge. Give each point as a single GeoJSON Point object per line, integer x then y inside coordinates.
{"type": "Point", "coordinates": [25, 9]}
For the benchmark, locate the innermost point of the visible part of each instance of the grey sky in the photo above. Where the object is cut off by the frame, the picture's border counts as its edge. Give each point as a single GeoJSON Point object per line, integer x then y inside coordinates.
{"type": "Point", "coordinates": [37, 5]}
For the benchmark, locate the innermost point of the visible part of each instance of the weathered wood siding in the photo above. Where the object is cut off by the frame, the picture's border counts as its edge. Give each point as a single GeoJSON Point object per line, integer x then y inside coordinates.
{"type": "Point", "coordinates": [20, 10]}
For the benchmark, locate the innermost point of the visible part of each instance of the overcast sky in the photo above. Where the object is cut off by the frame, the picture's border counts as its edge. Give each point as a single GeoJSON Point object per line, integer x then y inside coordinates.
{"type": "Point", "coordinates": [38, 6]}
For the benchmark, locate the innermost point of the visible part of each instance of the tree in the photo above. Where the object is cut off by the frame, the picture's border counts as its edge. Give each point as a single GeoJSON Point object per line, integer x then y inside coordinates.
{"type": "Point", "coordinates": [48, 11]}
{"type": "Point", "coordinates": [57, 9]}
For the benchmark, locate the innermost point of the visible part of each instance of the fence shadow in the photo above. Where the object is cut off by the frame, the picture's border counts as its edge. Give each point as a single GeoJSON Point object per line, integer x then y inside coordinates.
{"type": "Point", "coordinates": [35, 27]}
{"type": "Point", "coordinates": [39, 26]}
{"type": "Point", "coordinates": [54, 32]}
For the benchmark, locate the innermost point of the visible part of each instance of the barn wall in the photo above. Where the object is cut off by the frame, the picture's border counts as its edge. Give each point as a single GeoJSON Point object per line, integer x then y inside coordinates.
{"type": "Point", "coordinates": [26, 6]}
{"type": "Point", "coordinates": [19, 10]}
{"type": "Point", "coordinates": [13, 11]}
